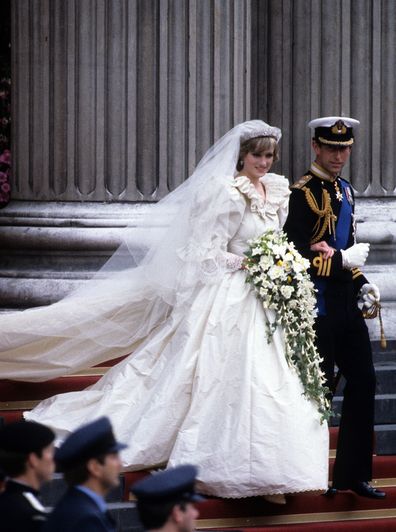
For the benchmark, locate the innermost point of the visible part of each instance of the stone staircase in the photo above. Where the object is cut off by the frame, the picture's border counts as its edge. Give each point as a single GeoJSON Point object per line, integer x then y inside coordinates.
{"type": "Point", "coordinates": [385, 404]}
{"type": "Point", "coordinates": [301, 513]}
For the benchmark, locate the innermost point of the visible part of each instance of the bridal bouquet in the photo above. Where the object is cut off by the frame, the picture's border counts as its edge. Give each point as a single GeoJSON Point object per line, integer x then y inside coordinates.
{"type": "Point", "coordinates": [279, 276]}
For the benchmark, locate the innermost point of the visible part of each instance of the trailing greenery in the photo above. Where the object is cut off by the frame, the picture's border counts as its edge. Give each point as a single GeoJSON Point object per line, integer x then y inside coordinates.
{"type": "Point", "coordinates": [279, 276]}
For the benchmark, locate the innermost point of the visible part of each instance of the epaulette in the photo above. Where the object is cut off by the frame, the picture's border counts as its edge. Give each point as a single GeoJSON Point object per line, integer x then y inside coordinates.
{"type": "Point", "coordinates": [302, 181]}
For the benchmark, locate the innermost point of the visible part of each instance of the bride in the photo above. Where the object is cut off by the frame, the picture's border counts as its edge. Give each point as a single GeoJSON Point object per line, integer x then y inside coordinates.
{"type": "Point", "coordinates": [201, 384]}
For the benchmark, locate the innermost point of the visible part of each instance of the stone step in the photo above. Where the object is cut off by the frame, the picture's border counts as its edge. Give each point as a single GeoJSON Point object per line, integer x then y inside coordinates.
{"type": "Point", "coordinates": [384, 473]}
{"type": "Point", "coordinates": [301, 509]}
{"type": "Point", "coordinates": [385, 408]}
{"type": "Point", "coordinates": [384, 355]}
{"type": "Point", "coordinates": [386, 378]}
{"type": "Point", "coordinates": [125, 516]}
{"type": "Point", "coordinates": [385, 439]}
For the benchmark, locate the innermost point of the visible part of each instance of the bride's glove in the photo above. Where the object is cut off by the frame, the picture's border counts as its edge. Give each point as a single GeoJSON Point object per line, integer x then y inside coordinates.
{"type": "Point", "coordinates": [369, 294]}
{"type": "Point", "coordinates": [355, 256]}
{"type": "Point", "coordinates": [234, 262]}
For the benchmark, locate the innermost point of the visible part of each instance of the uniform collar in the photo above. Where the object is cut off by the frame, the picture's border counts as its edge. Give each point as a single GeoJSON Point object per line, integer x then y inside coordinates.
{"type": "Point", "coordinates": [17, 486]}
{"type": "Point", "coordinates": [320, 172]}
{"type": "Point", "coordinates": [98, 499]}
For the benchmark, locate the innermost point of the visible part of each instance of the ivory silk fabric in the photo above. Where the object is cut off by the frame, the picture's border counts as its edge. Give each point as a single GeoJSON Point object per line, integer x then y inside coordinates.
{"type": "Point", "coordinates": [205, 387]}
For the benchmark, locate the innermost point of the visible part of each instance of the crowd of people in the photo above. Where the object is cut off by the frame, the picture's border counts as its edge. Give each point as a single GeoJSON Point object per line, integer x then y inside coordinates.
{"type": "Point", "coordinates": [203, 350]}
{"type": "Point", "coordinates": [90, 462]}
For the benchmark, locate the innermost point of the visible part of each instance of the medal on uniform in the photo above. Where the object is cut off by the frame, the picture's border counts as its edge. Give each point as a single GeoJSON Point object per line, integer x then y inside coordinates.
{"type": "Point", "coordinates": [353, 227]}
{"type": "Point", "coordinates": [349, 196]}
{"type": "Point", "coordinates": [338, 191]}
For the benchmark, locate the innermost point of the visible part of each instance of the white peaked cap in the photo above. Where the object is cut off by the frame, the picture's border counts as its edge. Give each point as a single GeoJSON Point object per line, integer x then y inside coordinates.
{"type": "Point", "coordinates": [328, 121]}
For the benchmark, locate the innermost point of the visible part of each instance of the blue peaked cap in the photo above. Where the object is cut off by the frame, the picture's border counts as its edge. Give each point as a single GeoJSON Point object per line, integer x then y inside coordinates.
{"type": "Point", "coordinates": [175, 484]}
{"type": "Point", "coordinates": [91, 440]}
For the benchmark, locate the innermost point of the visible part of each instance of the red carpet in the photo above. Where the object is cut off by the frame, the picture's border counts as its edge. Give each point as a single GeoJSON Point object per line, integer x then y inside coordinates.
{"type": "Point", "coordinates": [30, 391]}
{"type": "Point", "coordinates": [305, 512]}
{"type": "Point", "coordinates": [296, 504]}
{"type": "Point", "coordinates": [364, 525]}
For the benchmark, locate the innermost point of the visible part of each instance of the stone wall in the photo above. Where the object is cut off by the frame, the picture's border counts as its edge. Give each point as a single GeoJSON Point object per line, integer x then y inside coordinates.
{"type": "Point", "coordinates": [322, 58]}
{"type": "Point", "coordinates": [114, 102]}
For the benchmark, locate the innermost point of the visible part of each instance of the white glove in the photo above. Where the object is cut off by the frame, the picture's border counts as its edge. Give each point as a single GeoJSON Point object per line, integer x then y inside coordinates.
{"type": "Point", "coordinates": [369, 294]}
{"type": "Point", "coordinates": [355, 256]}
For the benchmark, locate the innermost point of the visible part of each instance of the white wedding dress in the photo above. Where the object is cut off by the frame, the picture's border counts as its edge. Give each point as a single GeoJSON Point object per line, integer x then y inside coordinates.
{"type": "Point", "coordinates": [204, 386]}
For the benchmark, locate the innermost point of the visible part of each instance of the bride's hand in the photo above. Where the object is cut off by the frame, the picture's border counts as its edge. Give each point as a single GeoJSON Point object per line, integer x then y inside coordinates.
{"type": "Point", "coordinates": [324, 248]}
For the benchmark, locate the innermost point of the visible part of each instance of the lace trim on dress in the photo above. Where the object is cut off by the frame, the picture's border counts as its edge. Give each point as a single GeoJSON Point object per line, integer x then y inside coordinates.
{"type": "Point", "coordinates": [246, 187]}
{"type": "Point", "coordinates": [277, 192]}
{"type": "Point", "coordinates": [233, 262]}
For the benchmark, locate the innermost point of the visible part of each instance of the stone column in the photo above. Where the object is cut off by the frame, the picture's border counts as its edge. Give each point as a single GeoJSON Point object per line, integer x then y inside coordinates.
{"type": "Point", "coordinates": [322, 58]}
{"type": "Point", "coordinates": [116, 100]}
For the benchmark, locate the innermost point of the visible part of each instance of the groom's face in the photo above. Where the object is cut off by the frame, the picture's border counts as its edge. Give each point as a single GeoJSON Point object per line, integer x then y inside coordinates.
{"type": "Point", "coordinates": [331, 158]}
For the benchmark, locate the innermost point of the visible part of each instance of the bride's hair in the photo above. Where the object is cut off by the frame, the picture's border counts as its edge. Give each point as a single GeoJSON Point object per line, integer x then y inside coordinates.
{"type": "Point", "coordinates": [257, 145]}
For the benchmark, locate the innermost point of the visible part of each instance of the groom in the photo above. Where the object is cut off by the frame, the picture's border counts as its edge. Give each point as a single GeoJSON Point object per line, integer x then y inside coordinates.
{"type": "Point", "coordinates": [321, 225]}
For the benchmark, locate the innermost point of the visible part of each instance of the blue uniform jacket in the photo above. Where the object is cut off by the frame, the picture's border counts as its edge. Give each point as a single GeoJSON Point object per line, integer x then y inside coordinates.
{"type": "Point", "coordinates": [75, 512]}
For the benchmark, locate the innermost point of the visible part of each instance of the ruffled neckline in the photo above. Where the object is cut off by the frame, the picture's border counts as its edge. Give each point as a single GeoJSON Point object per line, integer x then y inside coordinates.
{"type": "Point", "coordinates": [246, 187]}
{"type": "Point", "coordinates": [277, 192]}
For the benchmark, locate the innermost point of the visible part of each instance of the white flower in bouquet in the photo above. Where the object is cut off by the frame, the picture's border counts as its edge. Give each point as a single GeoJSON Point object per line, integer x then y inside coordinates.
{"type": "Point", "coordinates": [275, 272]}
{"type": "Point", "coordinates": [279, 276]}
{"type": "Point", "coordinates": [286, 291]}
{"type": "Point", "coordinates": [278, 249]}
{"type": "Point", "coordinates": [265, 262]}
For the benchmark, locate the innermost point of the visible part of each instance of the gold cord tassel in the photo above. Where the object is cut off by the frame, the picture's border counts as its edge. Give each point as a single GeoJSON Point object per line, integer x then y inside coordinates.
{"type": "Point", "coordinates": [383, 339]}
{"type": "Point", "coordinates": [373, 312]}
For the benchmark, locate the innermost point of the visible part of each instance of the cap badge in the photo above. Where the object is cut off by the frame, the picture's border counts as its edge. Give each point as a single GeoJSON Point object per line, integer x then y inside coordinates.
{"type": "Point", "coordinates": [339, 128]}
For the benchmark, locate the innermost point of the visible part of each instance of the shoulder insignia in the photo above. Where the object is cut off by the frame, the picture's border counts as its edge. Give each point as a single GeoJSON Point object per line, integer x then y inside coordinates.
{"type": "Point", "coordinates": [35, 503]}
{"type": "Point", "coordinates": [302, 181]}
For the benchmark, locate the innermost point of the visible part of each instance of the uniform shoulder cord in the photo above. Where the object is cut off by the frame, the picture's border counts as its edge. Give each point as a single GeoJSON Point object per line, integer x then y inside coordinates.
{"type": "Point", "coordinates": [326, 217]}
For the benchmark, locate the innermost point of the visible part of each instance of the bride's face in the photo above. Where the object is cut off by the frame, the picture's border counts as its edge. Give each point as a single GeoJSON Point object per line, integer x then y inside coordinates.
{"type": "Point", "coordinates": [256, 164]}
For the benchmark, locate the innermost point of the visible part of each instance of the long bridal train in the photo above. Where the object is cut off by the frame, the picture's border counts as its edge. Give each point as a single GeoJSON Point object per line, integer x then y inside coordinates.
{"type": "Point", "coordinates": [201, 384]}
{"type": "Point", "coordinates": [205, 386]}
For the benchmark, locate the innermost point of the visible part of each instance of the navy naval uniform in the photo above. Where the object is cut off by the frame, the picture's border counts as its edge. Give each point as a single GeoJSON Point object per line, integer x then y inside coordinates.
{"type": "Point", "coordinates": [158, 494]}
{"type": "Point", "coordinates": [79, 511]}
{"type": "Point", "coordinates": [82, 508]}
{"type": "Point", "coordinates": [20, 509]}
{"type": "Point", "coordinates": [322, 209]}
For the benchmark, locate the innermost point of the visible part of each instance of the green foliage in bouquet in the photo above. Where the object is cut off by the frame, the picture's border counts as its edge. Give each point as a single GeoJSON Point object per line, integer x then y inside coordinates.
{"type": "Point", "coordinates": [279, 276]}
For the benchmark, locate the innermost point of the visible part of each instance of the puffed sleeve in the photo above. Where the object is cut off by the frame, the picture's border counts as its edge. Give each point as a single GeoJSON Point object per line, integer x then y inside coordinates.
{"type": "Point", "coordinates": [214, 219]}
{"type": "Point", "coordinates": [277, 196]}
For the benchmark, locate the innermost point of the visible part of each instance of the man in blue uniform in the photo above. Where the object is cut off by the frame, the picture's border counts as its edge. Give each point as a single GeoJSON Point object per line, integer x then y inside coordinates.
{"type": "Point", "coordinates": [27, 459]}
{"type": "Point", "coordinates": [91, 466]}
{"type": "Point", "coordinates": [166, 500]}
{"type": "Point", "coordinates": [321, 224]}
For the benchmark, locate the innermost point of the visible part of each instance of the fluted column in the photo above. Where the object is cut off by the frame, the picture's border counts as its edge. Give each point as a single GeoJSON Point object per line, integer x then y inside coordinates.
{"type": "Point", "coordinates": [330, 57]}
{"type": "Point", "coordinates": [116, 100]}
